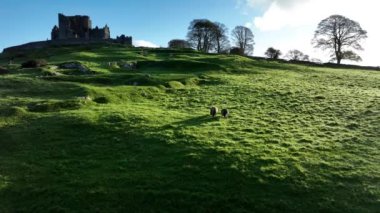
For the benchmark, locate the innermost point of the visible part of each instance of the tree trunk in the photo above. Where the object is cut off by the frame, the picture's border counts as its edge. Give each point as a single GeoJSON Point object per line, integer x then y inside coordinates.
{"type": "Point", "coordinates": [219, 46]}
{"type": "Point", "coordinates": [338, 57]}
{"type": "Point", "coordinates": [339, 52]}
{"type": "Point", "coordinates": [338, 60]}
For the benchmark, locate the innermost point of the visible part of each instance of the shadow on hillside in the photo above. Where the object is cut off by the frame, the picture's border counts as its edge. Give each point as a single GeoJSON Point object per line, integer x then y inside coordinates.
{"type": "Point", "coordinates": [196, 121]}
{"type": "Point", "coordinates": [270, 65]}
{"type": "Point", "coordinates": [136, 79]}
{"type": "Point", "coordinates": [181, 66]}
{"type": "Point", "coordinates": [66, 163]}
{"type": "Point", "coordinates": [114, 79]}
{"type": "Point", "coordinates": [31, 88]}
{"type": "Point", "coordinates": [242, 66]}
{"type": "Point", "coordinates": [160, 62]}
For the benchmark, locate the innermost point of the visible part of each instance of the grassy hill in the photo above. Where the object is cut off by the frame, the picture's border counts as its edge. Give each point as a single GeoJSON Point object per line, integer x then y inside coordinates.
{"type": "Point", "coordinates": [299, 139]}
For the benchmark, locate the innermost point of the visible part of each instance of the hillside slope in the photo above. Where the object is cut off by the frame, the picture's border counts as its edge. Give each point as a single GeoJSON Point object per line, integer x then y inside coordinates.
{"type": "Point", "coordinates": [115, 139]}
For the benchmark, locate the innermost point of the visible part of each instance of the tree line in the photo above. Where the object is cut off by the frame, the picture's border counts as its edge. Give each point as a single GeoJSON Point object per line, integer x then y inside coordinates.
{"type": "Point", "coordinates": [337, 34]}
{"type": "Point", "coordinates": [207, 36]}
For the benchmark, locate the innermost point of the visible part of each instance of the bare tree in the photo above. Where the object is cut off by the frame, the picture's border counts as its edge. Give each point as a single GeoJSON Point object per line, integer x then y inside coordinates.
{"type": "Point", "coordinates": [178, 44]}
{"type": "Point", "coordinates": [221, 38]}
{"type": "Point", "coordinates": [244, 39]}
{"type": "Point", "coordinates": [273, 53]}
{"type": "Point", "coordinates": [201, 35]}
{"type": "Point", "coordinates": [340, 35]}
{"type": "Point", "coordinates": [296, 55]}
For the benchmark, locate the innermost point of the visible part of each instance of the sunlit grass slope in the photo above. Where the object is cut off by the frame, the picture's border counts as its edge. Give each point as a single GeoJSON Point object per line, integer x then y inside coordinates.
{"type": "Point", "coordinates": [299, 139]}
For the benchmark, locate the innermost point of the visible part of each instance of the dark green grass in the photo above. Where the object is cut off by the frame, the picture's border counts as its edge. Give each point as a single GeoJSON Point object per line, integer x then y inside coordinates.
{"type": "Point", "coordinates": [299, 139]}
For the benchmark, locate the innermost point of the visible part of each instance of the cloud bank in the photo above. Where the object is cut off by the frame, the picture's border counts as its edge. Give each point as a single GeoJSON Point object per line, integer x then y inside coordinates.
{"type": "Point", "coordinates": [294, 22]}
{"type": "Point", "coordinates": [143, 43]}
{"type": "Point", "coordinates": [280, 3]}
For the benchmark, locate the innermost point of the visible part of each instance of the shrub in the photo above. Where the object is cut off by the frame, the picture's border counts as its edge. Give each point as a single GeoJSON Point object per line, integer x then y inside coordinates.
{"type": "Point", "coordinates": [273, 53]}
{"type": "Point", "coordinates": [178, 44]}
{"type": "Point", "coordinates": [236, 51]}
{"type": "Point", "coordinates": [101, 100]}
{"type": "Point", "coordinates": [12, 111]}
{"type": "Point", "coordinates": [34, 63]}
{"type": "Point", "coordinates": [3, 71]}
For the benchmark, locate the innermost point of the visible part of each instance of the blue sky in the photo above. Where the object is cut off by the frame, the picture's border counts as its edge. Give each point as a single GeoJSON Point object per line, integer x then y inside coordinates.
{"type": "Point", "coordinates": [283, 24]}
{"type": "Point", "coordinates": [156, 21]}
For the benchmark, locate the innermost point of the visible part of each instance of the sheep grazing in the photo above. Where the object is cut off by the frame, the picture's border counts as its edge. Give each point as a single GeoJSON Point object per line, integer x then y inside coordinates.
{"type": "Point", "coordinates": [225, 113]}
{"type": "Point", "coordinates": [213, 111]}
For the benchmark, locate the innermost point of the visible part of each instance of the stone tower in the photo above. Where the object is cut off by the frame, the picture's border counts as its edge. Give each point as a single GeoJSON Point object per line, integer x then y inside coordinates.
{"type": "Point", "coordinates": [78, 27]}
{"type": "Point", "coordinates": [55, 33]}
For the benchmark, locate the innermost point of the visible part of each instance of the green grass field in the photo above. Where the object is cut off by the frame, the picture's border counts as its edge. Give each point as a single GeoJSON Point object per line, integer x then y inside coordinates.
{"type": "Point", "coordinates": [299, 139]}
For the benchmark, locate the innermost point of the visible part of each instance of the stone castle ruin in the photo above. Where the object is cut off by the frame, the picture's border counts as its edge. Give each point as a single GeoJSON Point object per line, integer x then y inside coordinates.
{"type": "Point", "coordinates": [78, 27]}
{"type": "Point", "coordinates": [74, 30]}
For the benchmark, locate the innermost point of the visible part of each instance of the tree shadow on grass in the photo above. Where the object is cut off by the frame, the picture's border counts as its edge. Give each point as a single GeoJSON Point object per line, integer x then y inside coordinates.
{"type": "Point", "coordinates": [195, 121]}
{"type": "Point", "coordinates": [70, 163]}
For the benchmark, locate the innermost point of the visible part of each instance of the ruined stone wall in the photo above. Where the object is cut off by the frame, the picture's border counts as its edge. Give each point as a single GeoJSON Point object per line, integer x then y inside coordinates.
{"type": "Point", "coordinates": [55, 33]}
{"type": "Point", "coordinates": [78, 27]}
{"type": "Point", "coordinates": [100, 33]}
{"type": "Point", "coordinates": [74, 27]}
{"type": "Point", "coordinates": [124, 40]}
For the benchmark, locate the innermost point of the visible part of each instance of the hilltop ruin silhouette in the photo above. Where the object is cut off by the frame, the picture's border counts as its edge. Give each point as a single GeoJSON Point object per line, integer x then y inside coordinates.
{"type": "Point", "coordinates": [74, 30]}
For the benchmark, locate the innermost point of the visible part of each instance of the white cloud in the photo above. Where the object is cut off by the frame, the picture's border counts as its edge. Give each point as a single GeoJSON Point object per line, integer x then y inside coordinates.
{"type": "Point", "coordinates": [280, 3]}
{"type": "Point", "coordinates": [143, 43]}
{"type": "Point", "coordinates": [294, 22]}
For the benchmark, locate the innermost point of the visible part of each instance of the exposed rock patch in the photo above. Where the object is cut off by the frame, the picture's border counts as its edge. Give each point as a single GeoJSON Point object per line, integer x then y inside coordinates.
{"type": "Point", "coordinates": [130, 66]}
{"type": "Point", "coordinates": [75, 66]}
